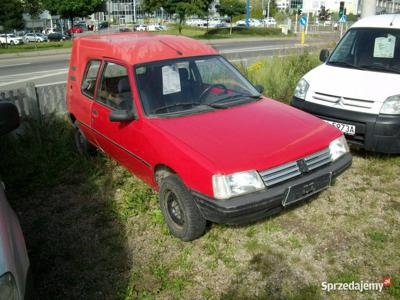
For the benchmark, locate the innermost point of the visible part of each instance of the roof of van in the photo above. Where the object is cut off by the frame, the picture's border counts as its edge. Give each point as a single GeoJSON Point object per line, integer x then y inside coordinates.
{"type": "Point", "coordinates": [140, 47]}
{"type": "Point", "coordinates": [380, 21]}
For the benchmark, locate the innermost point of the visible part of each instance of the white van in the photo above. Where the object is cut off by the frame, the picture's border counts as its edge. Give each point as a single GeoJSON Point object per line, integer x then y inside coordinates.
{"type": "Point", "coordinates": [357, 88]}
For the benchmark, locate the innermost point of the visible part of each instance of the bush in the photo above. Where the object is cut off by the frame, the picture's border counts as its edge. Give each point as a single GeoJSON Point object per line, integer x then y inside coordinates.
{"type": "Point", "coordinates": [260, 31]}
{"type": "Point", "coordinates": [279, 75]}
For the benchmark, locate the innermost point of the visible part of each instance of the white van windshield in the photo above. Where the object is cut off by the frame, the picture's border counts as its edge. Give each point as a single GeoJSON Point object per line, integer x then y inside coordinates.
{"type": "Point", "coordinates": [373, 49]}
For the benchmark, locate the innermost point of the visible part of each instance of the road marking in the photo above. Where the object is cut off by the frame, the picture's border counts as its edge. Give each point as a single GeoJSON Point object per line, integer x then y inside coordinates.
{"type": "Point", "coordinates": [14, 65]}
{"type": "Point", "coordinates": [32, 78]}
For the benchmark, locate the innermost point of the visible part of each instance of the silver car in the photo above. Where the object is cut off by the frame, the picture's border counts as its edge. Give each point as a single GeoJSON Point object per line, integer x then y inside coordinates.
{"type": "Point", "coordinates": [35, 37]}
{"type": "Point", "coordinates": [14, 261]}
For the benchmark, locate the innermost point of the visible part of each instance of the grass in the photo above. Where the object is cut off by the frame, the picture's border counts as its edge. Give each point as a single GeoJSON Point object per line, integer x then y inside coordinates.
{"type": "Point", "coordinates": [93, 231]}
{"type": "Point", "coordinates": [36, 47]}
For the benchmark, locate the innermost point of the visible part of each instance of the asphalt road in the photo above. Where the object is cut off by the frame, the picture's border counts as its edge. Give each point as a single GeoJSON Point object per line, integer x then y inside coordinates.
{"type": "Point", "coordinates": [44, 70]}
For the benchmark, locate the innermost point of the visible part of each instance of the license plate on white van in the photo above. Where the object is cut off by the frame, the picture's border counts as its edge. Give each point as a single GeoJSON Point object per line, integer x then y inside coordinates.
{"type": "Point", "coordinates": [345, 128]}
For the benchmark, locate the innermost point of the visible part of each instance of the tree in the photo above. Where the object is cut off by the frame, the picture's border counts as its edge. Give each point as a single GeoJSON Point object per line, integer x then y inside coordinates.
{"type": "Point", "coordinates": [32, 7]}
{"type": "Point", "coordinates": [181, 8]}
{"type": "Point", "coordinates": [323, 14]}
{"type": "Point", "coordinates": [70, 9]}
{"type": "Point", "coordinates": [11, 15]}
{"type": "Point", "coordinates": [231, 8]}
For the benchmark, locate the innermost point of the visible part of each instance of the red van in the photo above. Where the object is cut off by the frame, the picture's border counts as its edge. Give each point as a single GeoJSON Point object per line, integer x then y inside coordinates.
{"type": "Point", "coordinates": [184, 120]}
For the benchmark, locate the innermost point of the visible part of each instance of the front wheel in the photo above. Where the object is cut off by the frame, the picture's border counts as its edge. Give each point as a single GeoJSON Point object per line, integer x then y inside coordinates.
{"type": "Point", "coordinates": [180, 212]}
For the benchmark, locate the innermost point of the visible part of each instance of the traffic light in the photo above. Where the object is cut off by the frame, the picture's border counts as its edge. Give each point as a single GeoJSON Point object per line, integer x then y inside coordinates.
{"type": "Point", "coordinates": [299, 11]}
{"type": "Point", "coordinates": [341, 9]}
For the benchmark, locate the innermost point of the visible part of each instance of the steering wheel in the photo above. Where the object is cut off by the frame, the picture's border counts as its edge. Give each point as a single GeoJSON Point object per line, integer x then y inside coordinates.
{"type": "Point", "coordinates": [210, 87]}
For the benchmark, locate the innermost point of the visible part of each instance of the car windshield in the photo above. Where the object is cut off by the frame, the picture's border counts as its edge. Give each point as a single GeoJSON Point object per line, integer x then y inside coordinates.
{"type": "Point", "coordinates": [191, 85]}
{"type": "Point", "coordinates": [372, 49]}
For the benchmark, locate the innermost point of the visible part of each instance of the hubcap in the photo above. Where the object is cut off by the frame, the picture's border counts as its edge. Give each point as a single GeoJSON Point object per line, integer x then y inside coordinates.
{"type": "Point", "coordinates": [174, 208]}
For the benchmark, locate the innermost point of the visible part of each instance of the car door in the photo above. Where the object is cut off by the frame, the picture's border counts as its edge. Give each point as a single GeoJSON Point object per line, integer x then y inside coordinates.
{"type": "Point", "coordinates": [121, 140]}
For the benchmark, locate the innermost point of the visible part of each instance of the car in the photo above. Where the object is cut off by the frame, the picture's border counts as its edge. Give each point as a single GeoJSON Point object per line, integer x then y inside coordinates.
{"type": "Point", "coordinates": [139, 27]}
{"type": "Point", "coordinates": [10, 39]}
{"type": "Point", "coordinates": [15, 280]}
{"type": "Point", "coordinates": [35, 37]}
{"type": "Point", "coordinates": [75, 29]}
{"type": "Point", "coordinates": [58, 36]}
{"type": "Point", "coordinates": [180, 117]}
{"type": "Point", "coordinates": [357, 87]}
{"type": "Point", "coordinates": [269, 21]}
{"type": "Point", "coordinates": [125, 29]}
{"type": "Point", "coordinates": [103, 25]}
{"type": "Point", "coordinates": [252, 23]}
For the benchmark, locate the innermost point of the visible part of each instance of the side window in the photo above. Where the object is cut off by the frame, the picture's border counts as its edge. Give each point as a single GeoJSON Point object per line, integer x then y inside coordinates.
{"type": "Point", "coordinates": [115, 90]}
{"type": "Point", "coordinates": [89, 80]}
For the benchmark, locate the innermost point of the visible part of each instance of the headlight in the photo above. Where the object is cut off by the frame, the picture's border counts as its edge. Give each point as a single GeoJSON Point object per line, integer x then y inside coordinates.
{"type": "Point", "coordinates": [301, 89]}
{"type": "Point", "coordinates": [338, 147]}
{"type": "Point", "coordinates": [227, 186]}
{"type": "Point", "coordinates": [391, 106]}
{"type": "Point", "coordinates": [8, 288]}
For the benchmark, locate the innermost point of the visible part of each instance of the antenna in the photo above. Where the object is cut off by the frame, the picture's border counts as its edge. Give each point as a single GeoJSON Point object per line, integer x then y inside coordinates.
{"type": "Point", "coordinates": [395, 16]}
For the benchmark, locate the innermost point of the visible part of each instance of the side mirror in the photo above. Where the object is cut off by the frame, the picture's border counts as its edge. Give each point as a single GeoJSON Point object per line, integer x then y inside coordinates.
{"type": "Point", "coordinates": [259, 88]}
{"type": "Point", "coordinates": [121, 116]}
{"type": "Point", "coordinates": [323, 55]}
{"type": "Point", "coordinates": [9, 117]}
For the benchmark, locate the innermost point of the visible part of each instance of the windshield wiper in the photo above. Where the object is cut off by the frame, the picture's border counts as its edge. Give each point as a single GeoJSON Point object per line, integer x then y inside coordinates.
{"type": "Point", "coordinates": [232, 98]}
{"type": "Point", "coordinates": [345, 64]}
{"type": "Point", "coordinates": [183, 104]}
{"type": "Point", "coordinates": [380, 68]}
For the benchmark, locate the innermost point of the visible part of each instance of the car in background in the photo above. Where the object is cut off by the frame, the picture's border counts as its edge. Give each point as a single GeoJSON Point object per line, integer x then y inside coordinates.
{"type": "Point", "coordinates": [125, 29]}
{"type": "Point", "coordinates": [35, 37]}
{"type": "Point", "coordinates": [103, 25]}
{"type": "Point", "coordinates": [75, 29]}
{"type": "Point", "coordinates": [252, 23]}
{"type": "Point", "coordinates": [58, 36]}
{"type": "Point", "coordinates": [10, 39]}
{"type": "Point", "coordinates": [269, 21]}
{"type": "Point", "coordinates": [14, 262]}
{"type": "Point", "coordinates": [140, 27]}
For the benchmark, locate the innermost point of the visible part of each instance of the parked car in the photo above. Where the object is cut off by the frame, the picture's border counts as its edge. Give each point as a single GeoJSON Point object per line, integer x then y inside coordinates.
{"type": "Point", "coordinates": [10, 39]}
{"type": "Point", "coordinates": [58, 36]}
{"type": "Point", "coordinates": [35, 37]}
{"type": "Point", "coordinates": [74, 29]}
{"type": "Point", "coordinates": [184, 120]}
{"type": "Point", "coordinates": [139, 27]}
{"type": "Point", "coordinates": [103, 25]}
{"type": "Point", "coordinates": [269, 21]}
{"type": "Point", "coordinates": [14, 261]}
{"type": "Point", "coordinates": [252, 23]}
{"type": "Point", "coordinates": [125, 30]}
{"type": "Point", "coordinates": [357, 88]}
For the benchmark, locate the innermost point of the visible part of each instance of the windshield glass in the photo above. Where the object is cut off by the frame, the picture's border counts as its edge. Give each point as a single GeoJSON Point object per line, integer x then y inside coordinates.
{"type": "Point", "coordinates": [191, 85]}
{"type": "Point", "coordinates": [373, 49]}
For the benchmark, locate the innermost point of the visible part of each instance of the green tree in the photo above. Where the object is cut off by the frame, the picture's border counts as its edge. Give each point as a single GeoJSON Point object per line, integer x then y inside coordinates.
{"type": "Point", "coordinates": [231, 8]}
{"type": "Point", "coordinates": [11, 15]}
{"type": "Point", "coordinates": [32, 7]}
{"type": "Point", "coordinates": [182, 9]}
{"type": "Point", "coordinates": [69, 9]}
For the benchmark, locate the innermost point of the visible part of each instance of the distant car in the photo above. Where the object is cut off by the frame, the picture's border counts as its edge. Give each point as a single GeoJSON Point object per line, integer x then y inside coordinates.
{"type": "Point", "coordinates": [14, 261]}
{"type": "Point", "coordinates": [269, 21]}
{"type": "Point", "coordinates": [10, 39]}
{"type": "Point", "coordinates": [125, 30]}
{"type": "Point", "coordinates": [75, 29]}
{"type": "Point", "coordinates": [140, 27]}
{"type": "Point", "coordinates": [103, 25]}
{"type": "Point", "coordinates": [35, 37]}
{"type": "Point", "coordinates": [58, 36]}
{"type": "Point", "coordinates": [252, 23]}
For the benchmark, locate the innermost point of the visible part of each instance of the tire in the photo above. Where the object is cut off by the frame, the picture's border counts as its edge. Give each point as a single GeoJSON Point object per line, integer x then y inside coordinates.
{"type": "Point", "coordinates": [83, 146]}
{"type": "Point", "coordinates": [180, 212]}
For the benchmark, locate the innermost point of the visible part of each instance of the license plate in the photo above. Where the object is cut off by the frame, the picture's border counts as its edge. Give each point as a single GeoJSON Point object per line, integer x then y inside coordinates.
{"type": "Point", "coordinates": [300, 191]}
{"type": "Point", "coordinates": [345, 128]}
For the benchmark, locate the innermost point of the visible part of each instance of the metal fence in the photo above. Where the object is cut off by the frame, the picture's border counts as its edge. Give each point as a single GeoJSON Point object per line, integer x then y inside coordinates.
{"type": "Point", "coordinates": [37, 101]}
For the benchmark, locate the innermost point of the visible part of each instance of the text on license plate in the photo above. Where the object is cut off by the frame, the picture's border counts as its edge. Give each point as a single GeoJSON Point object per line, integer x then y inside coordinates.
{"type": "Point", "coordinates": [345, 128]}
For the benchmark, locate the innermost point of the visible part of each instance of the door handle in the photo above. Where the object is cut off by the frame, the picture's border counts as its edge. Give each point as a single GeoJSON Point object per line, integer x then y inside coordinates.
{"type": "Point", "coordinates": [94, 112]}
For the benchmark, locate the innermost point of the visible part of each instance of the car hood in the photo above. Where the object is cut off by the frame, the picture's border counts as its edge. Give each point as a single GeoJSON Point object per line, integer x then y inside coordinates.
{"type": "Point", "coordinates": [256, 135]}
{"type": "Point", "coordinates": [353, 83]}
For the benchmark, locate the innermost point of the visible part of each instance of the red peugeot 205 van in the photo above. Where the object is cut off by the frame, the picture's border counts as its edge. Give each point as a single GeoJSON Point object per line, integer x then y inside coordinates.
{"type": "Point", "coordinates": [184, 120]}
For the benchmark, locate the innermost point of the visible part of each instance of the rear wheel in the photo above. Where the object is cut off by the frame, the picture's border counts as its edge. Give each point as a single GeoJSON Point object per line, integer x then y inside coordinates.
{"type": "Point", "coordinates": [83, 146]}
{"type": "Point", "coordinates": [180, 212]}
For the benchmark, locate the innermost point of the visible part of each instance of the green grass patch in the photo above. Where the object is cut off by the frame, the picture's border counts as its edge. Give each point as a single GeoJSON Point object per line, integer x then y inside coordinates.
{"type": "Point", "coordinates": [36, 47]}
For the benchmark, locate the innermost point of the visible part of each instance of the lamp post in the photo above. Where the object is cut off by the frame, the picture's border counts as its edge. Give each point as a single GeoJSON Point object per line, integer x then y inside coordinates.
{"type": "Point", "coordinates": [247, 13]}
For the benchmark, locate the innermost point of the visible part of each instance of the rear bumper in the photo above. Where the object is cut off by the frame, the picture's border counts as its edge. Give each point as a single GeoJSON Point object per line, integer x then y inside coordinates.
{"type": "Point", "coordinates": [378, 133]}
{"type": "Point", "coordinates": [255, 206]}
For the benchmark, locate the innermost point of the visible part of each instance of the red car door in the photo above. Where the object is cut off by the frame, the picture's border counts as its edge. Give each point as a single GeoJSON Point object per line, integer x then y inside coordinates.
{"type": "Point", "coordinates": [120, 140]}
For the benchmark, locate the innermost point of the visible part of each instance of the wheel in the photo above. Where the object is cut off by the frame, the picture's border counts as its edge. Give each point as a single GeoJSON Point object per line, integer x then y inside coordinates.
{"type": "Point", "coordinates": [83, 146]}
{"type": "Point", "coordinates": [180, 212]}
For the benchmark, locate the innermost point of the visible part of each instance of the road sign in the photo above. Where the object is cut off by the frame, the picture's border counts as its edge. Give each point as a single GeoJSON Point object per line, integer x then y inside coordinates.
{"type": "Point", "coordinates": [343, 19]}
{"type": "Point", "coordinates": [303, 20]}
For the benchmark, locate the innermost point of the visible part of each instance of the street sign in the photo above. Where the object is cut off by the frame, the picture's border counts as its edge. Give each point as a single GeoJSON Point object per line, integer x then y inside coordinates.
{"type": "Point", "coordinates": [303, 20]}
{"type": "Point", "coordinates": [343, 19]}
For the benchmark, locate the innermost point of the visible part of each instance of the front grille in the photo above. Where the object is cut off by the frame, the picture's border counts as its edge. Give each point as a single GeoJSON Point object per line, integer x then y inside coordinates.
{"type": "Point", "coordinates": [292, 169]}
{"type": "Point", "coordinates": [345, 102]}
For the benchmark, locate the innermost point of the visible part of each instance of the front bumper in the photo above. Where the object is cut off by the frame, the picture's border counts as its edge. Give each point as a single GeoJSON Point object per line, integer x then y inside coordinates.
{"type": "Point", "coordinates": [255, 206]}
{"type": "Point", "coordinates": [378, 133]}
